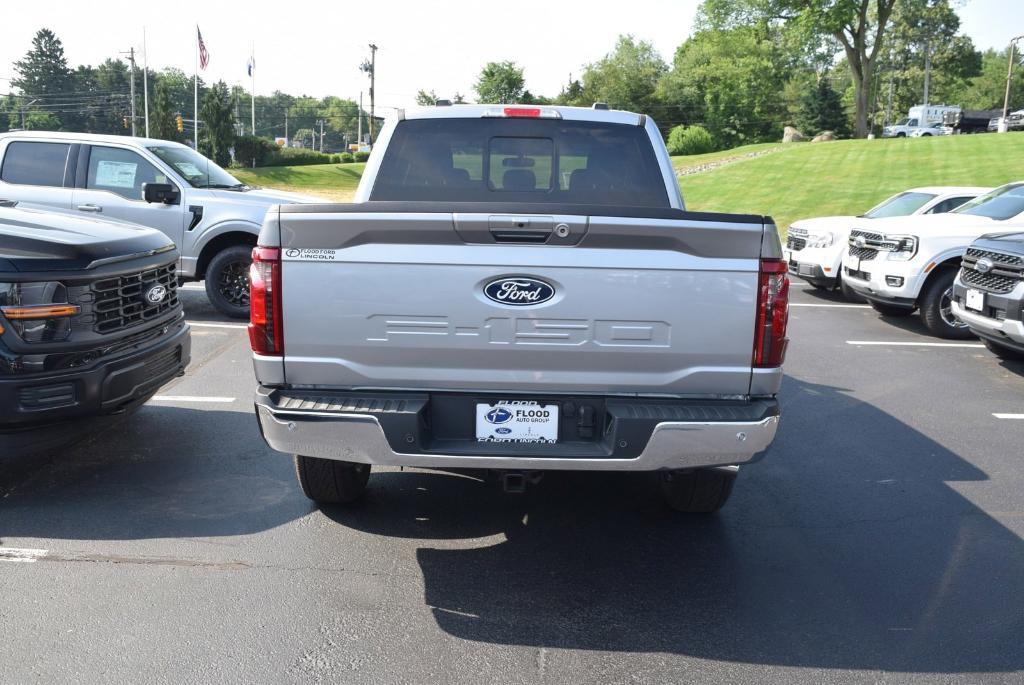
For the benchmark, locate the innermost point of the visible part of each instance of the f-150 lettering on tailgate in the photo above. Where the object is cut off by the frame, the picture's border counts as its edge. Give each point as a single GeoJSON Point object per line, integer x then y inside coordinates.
{"type": "Point", "coordinates": [524, 331]}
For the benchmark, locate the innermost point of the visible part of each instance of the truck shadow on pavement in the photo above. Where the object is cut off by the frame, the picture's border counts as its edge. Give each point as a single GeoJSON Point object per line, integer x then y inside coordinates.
{"type": "Point", "coordinates": [162, 472]}
{"type": "Point", "coordinates": [845, 548]}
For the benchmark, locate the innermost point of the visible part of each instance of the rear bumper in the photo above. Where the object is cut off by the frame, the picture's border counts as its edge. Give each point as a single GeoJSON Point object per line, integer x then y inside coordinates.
{"type": "Point", "coordinates": [396, 429]}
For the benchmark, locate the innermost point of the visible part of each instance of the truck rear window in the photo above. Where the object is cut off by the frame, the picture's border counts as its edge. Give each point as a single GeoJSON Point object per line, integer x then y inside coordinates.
{"type": "Point", "coordinates": [536, 161]}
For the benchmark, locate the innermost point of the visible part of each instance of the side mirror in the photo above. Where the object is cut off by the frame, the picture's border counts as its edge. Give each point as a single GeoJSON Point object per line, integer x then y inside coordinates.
{"type": "Point", "coordinates": [164, 193]}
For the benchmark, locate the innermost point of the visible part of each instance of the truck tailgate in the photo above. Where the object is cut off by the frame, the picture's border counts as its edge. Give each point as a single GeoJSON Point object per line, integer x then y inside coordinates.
{"type": "Point", "coordinates": [637, 305]}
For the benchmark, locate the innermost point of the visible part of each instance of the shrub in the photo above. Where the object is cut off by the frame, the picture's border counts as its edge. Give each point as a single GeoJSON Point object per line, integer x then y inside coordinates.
{"type": "Point", "coordinates": [296, 156]}
{"type": "Point", "coordinates": [346, 158]}
{"type": "Point", "coordinates": [335, 159]}
{"type": "Point", "coordinates": [690, 140]}
{"type": "Point", "coordinates": [362, 156]}
{"type": "Point", "coordinates": [249, 149]}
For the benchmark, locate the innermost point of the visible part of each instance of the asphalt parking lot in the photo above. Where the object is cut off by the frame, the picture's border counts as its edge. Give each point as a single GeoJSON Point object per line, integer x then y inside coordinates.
{"type": "Point", "coordinates": [879, 541]}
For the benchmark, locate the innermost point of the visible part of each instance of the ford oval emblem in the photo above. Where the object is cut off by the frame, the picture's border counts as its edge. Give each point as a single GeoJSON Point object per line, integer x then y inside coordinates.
{"type": "Point", "coordinates": [155, 294]}
{"type": "Point", "coordinates": [519, 292]}
{"type": "Point", "coordinates": [984, 265]}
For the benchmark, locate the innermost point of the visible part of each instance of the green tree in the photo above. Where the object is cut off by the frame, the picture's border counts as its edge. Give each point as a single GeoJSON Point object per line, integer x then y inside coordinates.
{"type": "Point", "coordinates": [821, 109]}
{"type": "Point", "coordinates": [500, 83]}
{"type": "Point", "coordinates": [728, 81]}
{"type": "Point", "coordinates": [44, 69]}
{"type": "Point", "coordinates": [426, 98]}
{"type": "Point", "coordinates": [43, 75]}
{"type": "Point", "coordinates": [458, 99]}
{"type": "Point", "coordinates": [217, 131]}
{"type": "Point", "coordinates": [857, 26]}
{"type": "Point", "coordinates": [162, 119]}
{"type": "Point", "coordinates": [627, 77]}
{"type": "Point", "coordinates": [988, 88]}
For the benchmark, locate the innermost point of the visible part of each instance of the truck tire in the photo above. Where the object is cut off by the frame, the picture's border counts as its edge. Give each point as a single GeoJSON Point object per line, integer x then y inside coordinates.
{"type": "Point", "coordinates": [890, 310]}
{"type": "Point", "coordinates": [1002, 351]}
{"type": "Point", "coordinates": [227, 281]}
{"type": "Point", "coordinates": [936, 308]}
{"type": "Point", "coordinates": [698, 491]}
{"type": "Point", "coordinates": [849, 293]}
{"type": "Point", "coordinates": [327, 481]}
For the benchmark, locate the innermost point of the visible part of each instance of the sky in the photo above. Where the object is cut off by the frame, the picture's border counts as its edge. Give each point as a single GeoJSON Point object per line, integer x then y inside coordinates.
{"type": "Point", "coordinates": [315, 48]}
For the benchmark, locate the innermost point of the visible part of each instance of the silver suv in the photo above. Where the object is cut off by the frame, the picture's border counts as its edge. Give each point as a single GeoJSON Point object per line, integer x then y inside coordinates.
{"type": "Point", "coordinates": [211, 216]}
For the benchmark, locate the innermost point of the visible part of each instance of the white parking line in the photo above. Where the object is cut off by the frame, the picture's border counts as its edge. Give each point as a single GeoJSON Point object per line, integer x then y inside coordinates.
{"type": "Point", "coordinates": [26, 555]}
{"type": "Point", "coordinates": [1009, 416]}
{"type": "Point", "coordinates": [838, 306]}
{"type": "Point", "coordinates": [191, 398]}
{"type": "Point", "coordinates": [910, 344]}
{"type": "Point", "coordinates": [204, 324]}
{"type": "Point", "coordinates": [191, 286]}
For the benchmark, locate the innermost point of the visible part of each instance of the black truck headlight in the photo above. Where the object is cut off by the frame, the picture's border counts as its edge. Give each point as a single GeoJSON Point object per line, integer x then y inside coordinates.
{"type": "Point", "coordinates": [37, 312]}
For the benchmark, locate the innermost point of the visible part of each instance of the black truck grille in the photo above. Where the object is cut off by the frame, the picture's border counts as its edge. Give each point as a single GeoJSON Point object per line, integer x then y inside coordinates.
{"type": "Point", "coordinates": [796, 244]}
{"type": "Point", "coordinates": [864, 253]}
{"type": "Point", "coordinates": [974, 254]}
{"type": "Point", "coordinates": [1003, 275]}
{"type": "Point", "coordinates": [992, 282]}
{"type": "Point", "coordinates": [120, 301]}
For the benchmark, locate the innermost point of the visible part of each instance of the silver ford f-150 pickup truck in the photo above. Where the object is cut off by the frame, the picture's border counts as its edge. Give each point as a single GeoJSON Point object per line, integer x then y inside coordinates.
{"type": "Point", "coordinates": [518, 288]}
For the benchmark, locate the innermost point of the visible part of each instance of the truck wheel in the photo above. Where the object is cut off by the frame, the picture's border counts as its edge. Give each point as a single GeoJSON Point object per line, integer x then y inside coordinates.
{"type": "Point", "coordinates": [890, 310]}
{"type": "Point", "coordinates": [1002, 351]}
{"type": "Point", "coordinates": [327, 481]}
{"type": "Point", "coordinates": [849, 293]}
{"type": "Point", "coordinates": [698, 491]}
{"type": "Point", "coordinates": [227, 281]}
{"type": "Point", "coordinates": [901, 135]}
{"type": "Point", "coordinates": [937, 309]}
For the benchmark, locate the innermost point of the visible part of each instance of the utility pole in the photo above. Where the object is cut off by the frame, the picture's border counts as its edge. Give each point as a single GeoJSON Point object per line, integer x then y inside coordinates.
{"type": "Point", "coordinates": [371, 68]}
{"type": "Point", "coordinates": [888, 107]}
{"type": "Point", "coordinates": [131, 60]}
{"type": "Point", "coordinates": [145, 80]}
{"type": "Point", "coordinates": [927, 78]}
{"type": "Point", "coordinates": [359, 136]}
{"type": "Point", "coordinates": [321, 136]}
{"type": "Point", "coordinates": [286, 127]}
{"type": "Point", "coordinates": [1009, 78]}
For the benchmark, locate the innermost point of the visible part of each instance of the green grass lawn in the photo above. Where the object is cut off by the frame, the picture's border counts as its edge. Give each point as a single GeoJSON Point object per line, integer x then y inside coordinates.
{"type": "Point", "coordinates": [850, 176]}
{"type": "Point", "coordinates": [332, 181]}
{"type": "Point", "coordinates": [795, 181]}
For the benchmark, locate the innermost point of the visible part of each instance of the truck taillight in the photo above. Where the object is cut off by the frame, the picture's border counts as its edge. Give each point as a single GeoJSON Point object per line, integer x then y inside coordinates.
{"type": "Point", "coordinates": [772, 314]}
{"type": "Point", "coordinates": [266, 332]}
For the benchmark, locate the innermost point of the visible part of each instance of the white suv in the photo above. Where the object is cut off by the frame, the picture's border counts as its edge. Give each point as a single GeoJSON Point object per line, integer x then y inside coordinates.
{"type": "Point", "coordinates": [211, 216]}
{"type": "Point", "coordinates": [907, 263]}
{"type": "Point", "coordinates": [815, 247]}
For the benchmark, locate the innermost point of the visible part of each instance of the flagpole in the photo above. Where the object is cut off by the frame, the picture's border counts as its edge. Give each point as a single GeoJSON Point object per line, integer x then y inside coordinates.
{"type": "Point", "coordinates": [252, 90]}
{"type": "Point", "coordinates": [195, 132]}
{"type": "Point", "coordinates": [145, 79]}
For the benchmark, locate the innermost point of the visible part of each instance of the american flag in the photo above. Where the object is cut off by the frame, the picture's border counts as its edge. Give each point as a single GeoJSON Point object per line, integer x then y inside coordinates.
{"type": "Point", "coordinates": [204, 56]}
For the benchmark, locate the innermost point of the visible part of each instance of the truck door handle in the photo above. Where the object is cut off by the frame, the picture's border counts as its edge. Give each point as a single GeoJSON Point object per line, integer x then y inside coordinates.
{"type": "Point", "coordinates": [90, 208]}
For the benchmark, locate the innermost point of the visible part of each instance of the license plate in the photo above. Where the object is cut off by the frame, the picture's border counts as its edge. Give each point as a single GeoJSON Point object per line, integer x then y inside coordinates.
{"type": "Point", "coordinates": [516, 421]}
{"type": "Point", "coordinates": [975, 300]}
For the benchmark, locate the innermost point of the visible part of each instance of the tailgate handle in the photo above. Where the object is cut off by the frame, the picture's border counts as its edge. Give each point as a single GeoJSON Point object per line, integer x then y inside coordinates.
{"type": "Point", "coordinates": [519, 230]}
{"type": "Point", "coordinates": [518, 235]}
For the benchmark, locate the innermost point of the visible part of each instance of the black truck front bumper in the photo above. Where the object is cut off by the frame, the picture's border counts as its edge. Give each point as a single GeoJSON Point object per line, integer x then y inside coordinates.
{"type": "Point", "coordinates": [41, 401]}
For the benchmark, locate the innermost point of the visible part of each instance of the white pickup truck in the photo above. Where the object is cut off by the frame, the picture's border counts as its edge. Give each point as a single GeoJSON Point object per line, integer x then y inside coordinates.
{"type": "Point", "coordinates": [519, 288]}
{"type": "Point", "coordinates": [905, 264]}
{"type": "Point", "coordinates": [815, 247]}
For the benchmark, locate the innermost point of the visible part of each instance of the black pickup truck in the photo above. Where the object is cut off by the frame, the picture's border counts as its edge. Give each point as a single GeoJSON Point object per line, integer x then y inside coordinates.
{"type": "Point", "coordinates": [90, 322]}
